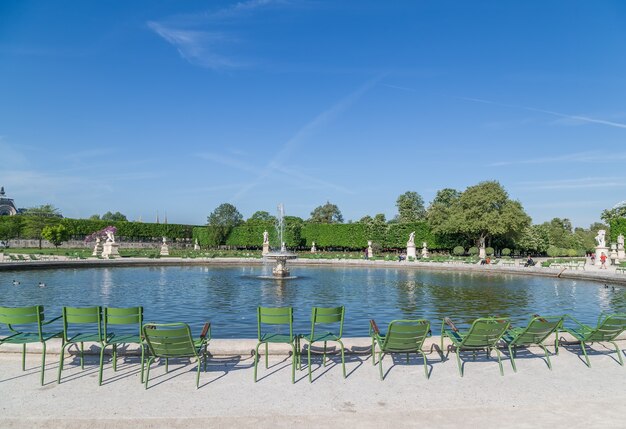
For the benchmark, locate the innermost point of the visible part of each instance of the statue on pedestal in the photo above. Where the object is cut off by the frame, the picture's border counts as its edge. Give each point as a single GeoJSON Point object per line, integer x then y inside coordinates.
{"type": "Point", "coordinates": [266, 242]}
{"type": "Point", "coordinates": [410, 247]}
{"type": "Point", "coordinates": [165, 251]}
{"type": "Point", "coordinates": [313, 248]}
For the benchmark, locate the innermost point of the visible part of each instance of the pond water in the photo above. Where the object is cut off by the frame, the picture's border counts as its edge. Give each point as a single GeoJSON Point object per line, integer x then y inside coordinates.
{"type": "Point", "coordinates": [229, 296]}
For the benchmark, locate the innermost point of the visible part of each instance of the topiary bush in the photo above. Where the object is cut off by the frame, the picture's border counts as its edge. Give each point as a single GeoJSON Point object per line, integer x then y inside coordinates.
{"type": "Point", "coordinates": [489, 251]}
{"type": "Point", "coordinates": [473, 251]}
{"type": "Point", "coordinates": [506, 251]}
{"type": "Point", "coordinates": [458, 251]}
{"type": "Point", "coordinates": [572, 252]}
{"type": "Point", "coordinates": [553, 251]}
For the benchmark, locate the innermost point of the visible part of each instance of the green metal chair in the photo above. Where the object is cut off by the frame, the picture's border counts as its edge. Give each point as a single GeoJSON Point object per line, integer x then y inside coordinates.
{"type": "Point", "coordinates": [117, 317]}
{"type": "Point", "coordinates": [403, 336]}
{"type": "Point", "coordinates": [536, 332]}
{"type": "Point", "coordinates": [89, 319]}
{"type": "Point", "coordinates": [26, 325]}
{"type": "Point", "coordinates": [277, 317]}
{"type": "Point", "coordinates": [174, 340]}
{"type": "Point", "coordinates": [485, 333]}
{"type": "Point", "coordinates": [610, 326]}
{"type": "Point", "coordinates": [325, 316]}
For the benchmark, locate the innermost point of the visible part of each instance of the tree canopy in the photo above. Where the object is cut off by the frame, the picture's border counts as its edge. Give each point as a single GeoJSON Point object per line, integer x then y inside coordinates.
{"type": "Point", "coordinates": [36, 218]}
{"type": "Point", "coordinates": [55, 234]}
{"type": "Point", "coordinates": [482, 211]}
{"type": "Point", "coordinates": [222, 220]}
{"type": "Point", "coordinates": [410, 207]}
{"type": "Point", "coordinates": [261, 216]}
{"type": "Point", "coordinates": [328, 213]}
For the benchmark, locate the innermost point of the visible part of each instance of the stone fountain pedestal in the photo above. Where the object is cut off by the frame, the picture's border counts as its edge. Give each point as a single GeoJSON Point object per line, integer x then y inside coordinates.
{"type": "Point", "coordinates": [97, 249]}
{"type": "Point", "coordinates": [280, 269]}
{"type": "Point", "coordinates": [110, 250]}
{"type": "Point", "coordinates": [410, 251]}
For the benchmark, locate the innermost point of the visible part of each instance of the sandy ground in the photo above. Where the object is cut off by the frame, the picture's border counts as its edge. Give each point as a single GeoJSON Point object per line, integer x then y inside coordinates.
{"type": "Point", "coordinates": [570, 396]}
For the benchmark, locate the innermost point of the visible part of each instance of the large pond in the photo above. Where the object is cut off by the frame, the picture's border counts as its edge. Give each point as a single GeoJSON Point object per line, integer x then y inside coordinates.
{"type": "Point", "coordinates": [229, 296]}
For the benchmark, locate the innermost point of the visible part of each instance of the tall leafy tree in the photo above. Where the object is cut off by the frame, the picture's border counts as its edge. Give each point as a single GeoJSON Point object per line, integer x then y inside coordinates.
{"type": "Point", "coordinates": [221, 221]}
{"type": "Point", "coordinates": [483, 211]}
{"type": "Point", "coordinates": [410, 207]}
{"type": "Point", "coordinates": [36, 218]}
{"type": "Point", "coordinates": [55, 234]}
{"type": "Point", "coordinates": [616, 212]}
{"type": "Point", "coordinates": [328, 213]}
{"type": "Point", "coordinates": [261, 217]}
{"type": "Point", "coordinates": [114, 217]}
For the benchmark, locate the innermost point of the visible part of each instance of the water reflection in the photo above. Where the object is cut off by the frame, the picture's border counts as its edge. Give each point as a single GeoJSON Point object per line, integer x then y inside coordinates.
{"type": "Point", "coordinates": [228, 296]}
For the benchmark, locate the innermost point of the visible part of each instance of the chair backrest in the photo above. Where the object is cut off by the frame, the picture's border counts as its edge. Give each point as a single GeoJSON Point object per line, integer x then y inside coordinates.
{"type": "Point", "coordinates": [12, 316]}
{"type": "Point", "coordinates": [83, 316]}
{"type": "Point", "coordinates": [485, 332]}
{"type": "Point", "coordinates": [609, 327]}
{"type": "Point", "coordinates": [538, 329]}
{"type": "Point", "coordinates": [405, 335]}
{"type": "Point", "coordinates": [274, 316]}
{"type": "Point", "coordinates": [123, 316]}
{"type": "Point", "coordinates": [169, 340]}
{"type": "Point", "coordinates": [327, 315]}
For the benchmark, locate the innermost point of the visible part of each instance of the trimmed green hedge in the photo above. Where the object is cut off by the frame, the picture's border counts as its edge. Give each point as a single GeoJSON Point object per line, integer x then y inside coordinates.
{"type": "Point", "coordinates": [618, 226]}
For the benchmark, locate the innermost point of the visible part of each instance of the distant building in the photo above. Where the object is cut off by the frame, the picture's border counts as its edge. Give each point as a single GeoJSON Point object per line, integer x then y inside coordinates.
{"type": "Point", "coordinates": [7, 207]}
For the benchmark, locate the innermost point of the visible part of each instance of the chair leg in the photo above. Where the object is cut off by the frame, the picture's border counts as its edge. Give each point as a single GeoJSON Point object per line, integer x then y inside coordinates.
{"type": "Point", "coordinates": [545, 350]}
{"type": "Point", "coordinates": [499, 361]}
{"type": "Point", "coordinates": [308, 362]}
{"type": "Point", "coordinates": [147, 377]}
{"type": "Point", "coordinates": [556, 344]}
{"type": "Point", "coordinates": [458, 361]}
{"type": "Point", "coordinates": [82, 355]}
{"type": "Point", "coordinates": [167, 367]}
{"type": "Point", "coordinates": [293, 363]}
{"type": "Point", "coordinates": [43, 361]}
{"type": "Point", "coordinates": [324, 355]}
{"type": "Point", "coordinates": [142, 362]}
{"type": "Point", "coordinates": [425, 363]}
{"type": "Point", "coordinates": [266, 356]}
{"type": "Point", "coordinates": [512, 354]}
{"type": "Point", "coordinates": [256, 360]}
{"type": "Point", "coordinates": [24, 357]}
{"type": "Point", "coordinates": [619, 353]}
{"type": "Point", "coordinates": [198, 362]}
{"type": "Point", "coordinates": [583, 346]}
{"type": "Point", "coordinates": [343, 360]}
{"type": "Point", "coordinates": [101, 365]}
{"type": "Point", "coordinates": [373, 352]}
{"type": "Point", "coordinates": [114, 357]}
{"type": "Point", "coordinates": [61, 363]}
{"type": "Point", "coordinates": [380, 364]}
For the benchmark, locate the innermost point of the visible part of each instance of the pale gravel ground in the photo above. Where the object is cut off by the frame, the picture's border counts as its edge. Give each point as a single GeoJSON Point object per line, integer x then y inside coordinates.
{"type": "Point", "coordinates": [570, 396]}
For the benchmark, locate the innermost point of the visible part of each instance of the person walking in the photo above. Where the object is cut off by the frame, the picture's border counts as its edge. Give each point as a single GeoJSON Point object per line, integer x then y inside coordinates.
{"type": "Point", "coordinates": [603, 261]}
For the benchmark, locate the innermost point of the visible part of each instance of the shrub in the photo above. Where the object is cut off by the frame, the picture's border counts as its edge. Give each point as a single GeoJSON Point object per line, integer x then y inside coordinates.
{"type": "Point", "coordinates": [506, 251]}
{"type": "Point", "coordinates": [376, 248]}
{"type": "Point", "coordinates": [572, 252]}
{"type": "Point", "coordinates": [489, 251]}
{"type": "Point", "coordinates": [458, 251]}
{"type": "Point", "coordinates": [553, 251]}
{"type": "Point", "coordinates": [473, 251]}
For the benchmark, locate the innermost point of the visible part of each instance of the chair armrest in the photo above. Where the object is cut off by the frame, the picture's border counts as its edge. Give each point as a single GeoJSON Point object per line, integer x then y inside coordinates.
{"type": "Point", "coordinates": [374, 328]}
{"type": "Point", "coordinates": [206, 330]}
{"type": "Point", "coordinates": [575, 321]}
{"type": "Point", "coordinates": [449, 322]}
{"type": "Point", "coordinates": [541, 319]}
{"type": "Point", "coordinates": [52, 320]}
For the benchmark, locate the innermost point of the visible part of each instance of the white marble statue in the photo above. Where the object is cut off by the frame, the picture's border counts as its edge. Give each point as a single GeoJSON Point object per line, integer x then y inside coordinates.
{"type": "Point", "coordinates": [411, 241]}
{"type": "Point", "coordinates": [266, 237]}
{"type": "Point", "coordinates": [620, 241]}
{"type": "Point", "coordinates": [164, 240]}
{"type": "Point", "coordinates": [601, 238]}
{"type": "Point", "coordinates": [110, 237]}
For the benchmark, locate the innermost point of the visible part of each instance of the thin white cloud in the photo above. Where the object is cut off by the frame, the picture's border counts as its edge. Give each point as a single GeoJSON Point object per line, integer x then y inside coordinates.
{"type": "Point", "coordinates": [198, 47]}
{"type": "Point", "coordinates": [304, 133]}
{"type": "Point", "coordinates": [201, 38]}
{"type": "Point", "coordinates": [579, 118]}
{"type": "Point", "coordinates": [574, 184]}
{"type": "Point", "coordinates": [571, 157]}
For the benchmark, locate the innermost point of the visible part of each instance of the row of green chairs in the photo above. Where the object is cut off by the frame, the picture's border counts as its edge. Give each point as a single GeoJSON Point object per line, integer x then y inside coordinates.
{"type": "Point", "coordinates": [402, 336]}
{"type": "Point", "coordinates": [277, 316]}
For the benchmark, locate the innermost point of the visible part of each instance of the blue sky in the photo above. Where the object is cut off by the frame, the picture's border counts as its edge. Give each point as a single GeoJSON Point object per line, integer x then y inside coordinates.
{"type": "Point", "coordinates": [177, 107]}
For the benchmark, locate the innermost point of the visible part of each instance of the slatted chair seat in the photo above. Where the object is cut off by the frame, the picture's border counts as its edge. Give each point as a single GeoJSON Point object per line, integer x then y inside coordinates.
{"type": "Point", "coordinates": [402, 336]}
{"type": "Point", "coordinates": [539, 328]}
{"type": "Point", "coordinates": [609, 327]}
{"type": "Point", "coordinates": [325, 317]}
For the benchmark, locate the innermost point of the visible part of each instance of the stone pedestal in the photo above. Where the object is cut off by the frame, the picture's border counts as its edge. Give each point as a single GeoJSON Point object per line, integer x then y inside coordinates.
{"type": "Point", "coordinates": [482, 252]}
{"type": "Point", "coordinates": [370, 251]}
{"type": "Point", "coordinates": [313, 248]}
{"type": "Point", "coordinates": [599, 251]}
{"type": "Point", "coordinates": [110, 250]}
{"type": "Point", "coordinates": [165, 250]}
{"type": "Point", "coordinates": [266, 248]}
{"type": "Point", "coordinates": [196, 246]}
{"type": "Point", "coordinates": [424, 251]}
{"type": "Point", "coordinates": [97, 249]}
{"type": "Point", "coordinates": [410, 251]}
{"type": "Point", "coordinates": [620, 248]}
{"type": "Point", "coordinates": [620, 254]}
